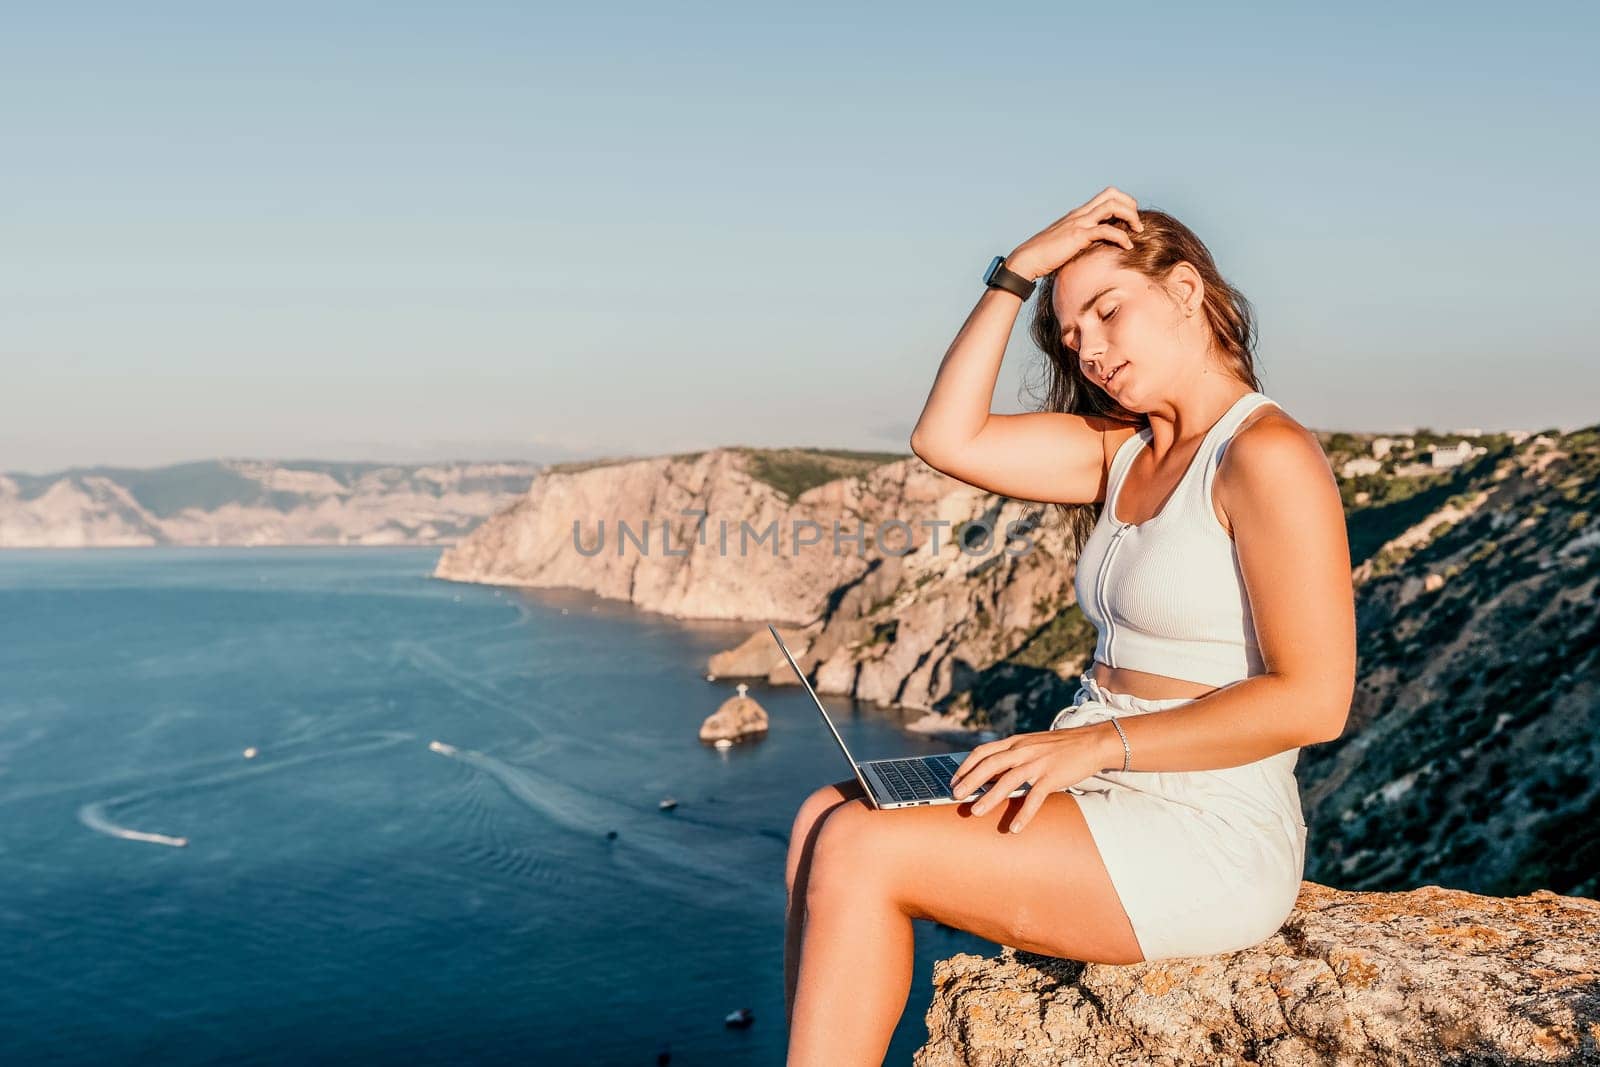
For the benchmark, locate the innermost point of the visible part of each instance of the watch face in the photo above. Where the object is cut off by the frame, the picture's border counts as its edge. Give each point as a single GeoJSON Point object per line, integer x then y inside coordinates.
{"type": "Point", "coordinates": [988, 275]}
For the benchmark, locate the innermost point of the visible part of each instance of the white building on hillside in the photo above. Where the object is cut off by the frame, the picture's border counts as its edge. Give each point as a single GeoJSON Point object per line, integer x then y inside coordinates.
{"type": "Point", "coordinates": [1360, 465]}
{"type": "Point", "coordinates": [1382, 445]}
{"type": "Point", "coordinates": [1454, 455]}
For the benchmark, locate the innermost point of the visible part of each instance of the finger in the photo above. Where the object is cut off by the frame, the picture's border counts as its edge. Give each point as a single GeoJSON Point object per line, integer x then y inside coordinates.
{"type": "Point", "coordinates": [1122, 206]}
{"type": "Point", "coordinates": [1002, 790]}
{"type": "Point", "coordinates": [1032, 801]}
{"type": "Point", "coordinates": [1107, 196]}
{"type": "Point", "coordinates": [1092, 206]}
{"type": "Point", "coordinates": [1113, 193]}
{"type": "Point", "coordinates": [989, 767]}
{"type": "Point", "coordinates": [969, 776]}
{"type": "Point", "coordinates": [977, 756]}
{"type": "Point", "coordinates": [1113, 235]}
{"type": "Point", "coordinates": [980, 766]}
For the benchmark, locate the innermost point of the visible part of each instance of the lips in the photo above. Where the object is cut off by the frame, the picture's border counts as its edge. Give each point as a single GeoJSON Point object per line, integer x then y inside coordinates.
{"type": "Point", "coordinates": [1114, 372]}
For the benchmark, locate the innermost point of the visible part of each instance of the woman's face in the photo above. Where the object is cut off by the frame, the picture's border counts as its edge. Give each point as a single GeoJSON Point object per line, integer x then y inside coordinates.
{"type": "Point", "coordinates": [1121, 324]}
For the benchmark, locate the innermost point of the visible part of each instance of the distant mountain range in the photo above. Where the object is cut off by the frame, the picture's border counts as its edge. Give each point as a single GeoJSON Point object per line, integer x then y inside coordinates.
{"type": "Point", "coordinates": [256, 502]}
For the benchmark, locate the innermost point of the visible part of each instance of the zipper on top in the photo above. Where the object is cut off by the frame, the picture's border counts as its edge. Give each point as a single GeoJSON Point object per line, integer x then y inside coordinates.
{"type": "Point", "coordinates": [1105, 568]}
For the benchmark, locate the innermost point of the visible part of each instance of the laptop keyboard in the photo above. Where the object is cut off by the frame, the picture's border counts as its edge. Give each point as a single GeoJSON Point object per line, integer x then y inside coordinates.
{"type": "Point", "coordinates": [919, 779]}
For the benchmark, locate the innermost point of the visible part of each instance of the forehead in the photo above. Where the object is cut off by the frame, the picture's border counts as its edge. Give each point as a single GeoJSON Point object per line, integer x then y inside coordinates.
{"type": "Point", "coordinates": [1085, 276]}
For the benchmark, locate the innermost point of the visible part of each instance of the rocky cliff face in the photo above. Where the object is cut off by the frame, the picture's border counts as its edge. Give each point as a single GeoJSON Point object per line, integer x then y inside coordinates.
{"type": "Point", "coordinates": [950, 599]}
{"type": "Point", "coordinates": [1470, 754]}
{"type": "Point", "coordinates": [1433, 976]}
{"type": "Point", "coordinates": [243, 502]}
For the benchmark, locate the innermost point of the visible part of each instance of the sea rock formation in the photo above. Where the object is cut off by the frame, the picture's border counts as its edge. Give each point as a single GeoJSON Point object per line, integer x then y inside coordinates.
{"type": "Point", "coordinates": [1430, 976]}
{"type": "Point", "coordinates": [738, 717]}
{"type": "Point", "coordinates": [249, 502]}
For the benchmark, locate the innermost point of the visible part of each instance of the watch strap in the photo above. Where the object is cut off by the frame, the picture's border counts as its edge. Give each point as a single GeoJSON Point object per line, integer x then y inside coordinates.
{"type": "Point", "coordinates": [1000, 277]}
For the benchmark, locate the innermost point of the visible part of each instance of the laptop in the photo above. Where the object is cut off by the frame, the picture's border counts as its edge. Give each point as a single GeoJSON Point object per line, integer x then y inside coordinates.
{"type": "Point", "coordinates": [897, 783]}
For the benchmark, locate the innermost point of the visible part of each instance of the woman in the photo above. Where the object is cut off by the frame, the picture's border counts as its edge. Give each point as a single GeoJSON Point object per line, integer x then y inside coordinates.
{"type": "Point", "coordinates": [1162, 817]}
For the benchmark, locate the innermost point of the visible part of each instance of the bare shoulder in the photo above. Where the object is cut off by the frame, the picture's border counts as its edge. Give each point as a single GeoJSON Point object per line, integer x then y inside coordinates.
{"type": "Point", "coordinates": [1273, 460]}
{"type": "Point", "coordinates": [1114, 434]}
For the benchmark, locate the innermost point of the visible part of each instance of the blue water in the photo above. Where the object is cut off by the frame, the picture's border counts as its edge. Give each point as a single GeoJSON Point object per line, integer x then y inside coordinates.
{"type": "Point", "coordinates": [350, 892]}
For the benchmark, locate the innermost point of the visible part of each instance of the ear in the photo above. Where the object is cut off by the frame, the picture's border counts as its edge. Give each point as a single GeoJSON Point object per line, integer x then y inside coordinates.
{"type": "Point", "coordinates": [1186, 288]}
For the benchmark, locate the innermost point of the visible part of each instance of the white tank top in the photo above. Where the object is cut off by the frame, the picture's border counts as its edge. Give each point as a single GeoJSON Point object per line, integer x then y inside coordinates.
{"type": "Point", "coordinates": [1167, 595]}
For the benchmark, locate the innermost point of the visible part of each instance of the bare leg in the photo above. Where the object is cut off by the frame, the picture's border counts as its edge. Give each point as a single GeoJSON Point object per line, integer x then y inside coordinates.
{"type": "Point", "coordinates": [872, 872]}
{"type": "Point", "coordinates": [858, 957]}
{"type": "Point", "coordinates": [802, 839]}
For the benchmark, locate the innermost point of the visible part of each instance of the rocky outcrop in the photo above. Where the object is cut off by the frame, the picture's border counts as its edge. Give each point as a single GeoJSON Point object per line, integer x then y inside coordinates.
{"type": "Point", "coordinates": [759, 655]}
{"type": "Point", "coordinates": [247, 502]}
{"type": "Point", "coordinates": [1431, 976]}
{"type": "Point", "coordinates": [738, 717]}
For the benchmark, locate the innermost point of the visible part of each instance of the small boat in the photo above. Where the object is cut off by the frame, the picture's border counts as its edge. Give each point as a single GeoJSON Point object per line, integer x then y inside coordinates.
{"type": "Point", "coordinates": [723, 742]}
{"type": "Point", "coordinates": [611, 835]}
{"type": "Point", "coordinates": [740, 1019]}
{"type": "Point", "coordinates": [667, 804]}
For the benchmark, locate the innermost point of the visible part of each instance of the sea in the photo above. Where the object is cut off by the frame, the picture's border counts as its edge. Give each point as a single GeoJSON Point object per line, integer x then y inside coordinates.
{"type": "Point", "coordinates": [308, 805]}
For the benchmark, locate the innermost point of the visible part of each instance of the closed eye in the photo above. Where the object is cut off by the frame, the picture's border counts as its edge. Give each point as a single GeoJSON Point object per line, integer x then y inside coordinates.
{"type": "Point", "coordinates": [1103, 318]}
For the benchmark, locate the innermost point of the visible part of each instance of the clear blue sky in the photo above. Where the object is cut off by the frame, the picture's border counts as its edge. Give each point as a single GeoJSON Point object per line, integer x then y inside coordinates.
{"type": "Point", "coordinates": [403, 231]}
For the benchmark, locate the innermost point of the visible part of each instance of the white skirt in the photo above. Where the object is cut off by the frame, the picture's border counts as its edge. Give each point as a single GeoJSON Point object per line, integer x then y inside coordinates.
{"type": "Point", "coordinates": [1204, 861]}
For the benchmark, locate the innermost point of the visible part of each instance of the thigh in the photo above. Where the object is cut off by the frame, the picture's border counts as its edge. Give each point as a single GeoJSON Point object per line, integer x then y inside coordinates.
{"type": "Point", "coordinates": [1043, 890]}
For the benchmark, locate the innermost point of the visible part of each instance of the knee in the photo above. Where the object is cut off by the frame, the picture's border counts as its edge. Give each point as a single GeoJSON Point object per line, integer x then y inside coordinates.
{"type": "Point", "coordinates": [842, 855]}
{"type": "Point", "coordinates": [807, 821]}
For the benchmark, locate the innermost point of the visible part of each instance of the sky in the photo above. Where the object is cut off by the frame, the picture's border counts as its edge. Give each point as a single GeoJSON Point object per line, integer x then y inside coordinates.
{"type": "Point", "coordinates": [409, 232]}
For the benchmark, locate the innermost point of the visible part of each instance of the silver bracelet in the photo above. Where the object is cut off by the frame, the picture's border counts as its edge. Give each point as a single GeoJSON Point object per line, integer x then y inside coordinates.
{"type": "Point", "coordinates": [1127, 753]}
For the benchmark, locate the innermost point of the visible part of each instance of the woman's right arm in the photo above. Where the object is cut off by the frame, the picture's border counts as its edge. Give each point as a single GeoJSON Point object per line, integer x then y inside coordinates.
{"type": "Point", "coordinates": [1042, 456]}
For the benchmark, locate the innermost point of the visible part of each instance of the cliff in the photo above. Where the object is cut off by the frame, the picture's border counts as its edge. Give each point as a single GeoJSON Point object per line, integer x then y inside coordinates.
{"type": "Point", "coordinates": [888, 618]}
{"type": "Point", "coordinates": [1431, 976]}
{"type": "Point", "coordinates": [1469, 756]}
{"type": "Point", "coordinates": [251, 502]}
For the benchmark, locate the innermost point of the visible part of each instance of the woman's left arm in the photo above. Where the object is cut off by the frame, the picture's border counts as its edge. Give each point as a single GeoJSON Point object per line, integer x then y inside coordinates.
{"type": "Point", "coordinates": [1289, 527]}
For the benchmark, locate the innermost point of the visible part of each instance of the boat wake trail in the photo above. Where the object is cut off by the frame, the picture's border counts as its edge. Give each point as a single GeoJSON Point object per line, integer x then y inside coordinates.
{"type": "Point", "coordinates": [430, 663]}
{"type": "Point", "coordinates": [95, 815]}
{"type": "Point", "coordinates": [695, 862]}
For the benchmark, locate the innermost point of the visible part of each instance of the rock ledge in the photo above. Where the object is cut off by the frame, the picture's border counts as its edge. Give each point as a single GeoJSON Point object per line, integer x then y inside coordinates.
{"type": "Point", "coordinates": [1429, 976]}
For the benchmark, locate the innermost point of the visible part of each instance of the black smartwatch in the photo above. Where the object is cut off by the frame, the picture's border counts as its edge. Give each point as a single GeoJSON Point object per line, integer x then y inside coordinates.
{"type": "Point", "coordinates": [998, 276]}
